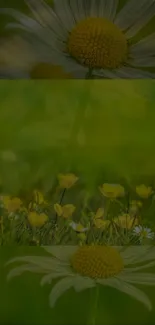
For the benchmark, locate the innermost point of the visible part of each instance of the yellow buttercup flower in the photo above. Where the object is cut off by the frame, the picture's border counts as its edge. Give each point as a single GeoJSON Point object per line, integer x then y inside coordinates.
{"type": "Point", "coordinates": [66, 181]}
{"type": "Point", "coordinates": [144, 191]}
{"type": "Point", "coordinates": [112, 191]}
{"type": "Point", "coordinates": [99, 223]}
{"type": "Point", "coordinates": [39, 197]}
{"type": "Point", "coordinates": [37, 220]}
{"type": "Point", "coordinates": [126, 221]}
{"type": "Point", "coordinates": [65, 211]}
{"type": "Point", "coordinates": [99, 213]}
{"type": "Point", "coordinates": [11, 204]}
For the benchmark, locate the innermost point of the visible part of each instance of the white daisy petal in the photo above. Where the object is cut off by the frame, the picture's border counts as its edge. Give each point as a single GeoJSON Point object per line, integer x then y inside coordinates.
{"type": "Point", "coordinates": [40, 261]}
{"type": "Point", "coordinates": [47, 279]}
{"type": "Point", "coordinates": [128, 289]}
{"type": "Point", "coordinates": [133, 73]}
{"type": "Point", "coordinates": [123, 73]}
{"type": "Point", "coordinates": [150, 255]}
{"type": "Point", "coordinates": [64, 12]}
{"type": "Point", "coordinates": [141, 22]}
{"type": "Point", "coordinates": [60, 287]}
{"type": "Point", "coordinates": [146, 47]}
{"type": "Point", "coordinates": [131, 254]}
{"type": "Point", "coordinates": [82, 6]}
{"type": "Point", "coordinates": [134, 12]}
{"type": "Point", "coordinates": [141, 267]}
{"type": "Point", "coordinates": [138, 278]}
{"type": "Point", "coordinates": [82, 283]}
{"type": "Point", "coordinates": [104, 73]}
{"type": "Point", "coordinates": [75, 10]}
{"type": "Point", "coordinates": [23, 19]}
{"type": "Point", "coordinates": [46, 16]}
{"type": "Point", "coordinates": [93, 8]}
{"type": "Point", "coordinates": [138, 254]}
{"type": "Point", "coordinates": [63, 253]}
{"type": "Point", "coordinates": [24, 268]}
{"type": "Point", "coordinates": [108, 8]}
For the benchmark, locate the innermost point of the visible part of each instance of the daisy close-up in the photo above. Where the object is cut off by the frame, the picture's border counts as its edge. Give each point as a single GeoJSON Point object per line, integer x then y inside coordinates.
{"type": "Point", "coordinates": [86, 267]}
{"type": "Point", "coordinates": [90, 39]}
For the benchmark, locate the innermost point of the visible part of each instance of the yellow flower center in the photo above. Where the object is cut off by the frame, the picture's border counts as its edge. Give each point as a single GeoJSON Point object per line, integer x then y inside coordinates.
{"type": "Point", "coordinates": [97, 43]}
{"type": "Point", "coordinates": [97, 261]}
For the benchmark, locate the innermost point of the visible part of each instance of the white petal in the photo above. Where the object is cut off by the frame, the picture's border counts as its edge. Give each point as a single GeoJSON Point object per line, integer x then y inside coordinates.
{"type": "Point", "coordinates": [138, 278]}
{"type": "Point", "coordinates": [82, 283]}
{"type": "Point", "coordinates": [132, 253]}
{"type": "Point", "coordinates": [123, 73]}
{"type": "Point", "coordinates": [148, 256]}
{"type": "Point", "coordinates": [63, 11]}
{"type": "Point", "coordinates": [23, 19]}
{"type": "Point", "coordinates": [60, 287]}
{"type": "Point", "coordinates": [105, 74]}
{"type": "Point", "coordinates": [107, 8]}
{"type": "Point", "coordinates": [79, 9]}
{"type": "Point", "coordinates": [142, 61]}
{"type": "Point", "coordinates": [128, 289]}
{"type": "Point", "coordinates": [134, 15]}
{"type": "Point", "coordinates": [46, 16]}
{"type": "Point", "coordinates": [47, 279]}
{"type": "Point", "coordinates": [63, 253]}
{"type": "Point", "coordinates": [138, 254]}
{"type": "Point", "coordinates": [44, 263]}
{"type": "Point", "coordinates": [132, 73]}
{"type": "Point", "coordinates": [141, 267]}
{"type": "Point", "coordinates": [24, 268]}
{"type": "Point", "coordinates": [146, 47]}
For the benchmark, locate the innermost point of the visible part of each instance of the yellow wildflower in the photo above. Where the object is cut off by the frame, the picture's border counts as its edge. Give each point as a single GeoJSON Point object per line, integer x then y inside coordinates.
{"type": "Point", "coordinates": [126, 221]}
{"type": "Point", "coordinates": [144, 191]}
{"type": "Point", "coordinates": [99, 213]}
{"type": "Point", "coordinates": [58, 209]}
{"type": "Point", "coordinates": [112, 191]}
{"type": "Point", "coordinates": [37, 220]}
{"type": "Point", "coordinates": [65, 211]}
{"type": "Point", "coordinates": [11, 204]}
{"type": "Point", "coordinates": [99, 223]}
{"type": "Point", "coordinates": [38, 197]}
{"type": "Point", "coordinates": [67, 181]}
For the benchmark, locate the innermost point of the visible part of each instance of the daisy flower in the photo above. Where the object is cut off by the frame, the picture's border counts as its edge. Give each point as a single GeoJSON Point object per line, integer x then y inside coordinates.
{"type": "Point", "coordinates": [90, 39]}
{"type": "Point", "coordinates": [143, 232]}
{"type": "Point", "coordinates": [83, 267]}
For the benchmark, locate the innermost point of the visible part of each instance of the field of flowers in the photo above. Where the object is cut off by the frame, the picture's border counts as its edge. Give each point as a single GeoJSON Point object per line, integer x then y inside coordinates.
{"type": "Point", "coordinates": [114, 216]}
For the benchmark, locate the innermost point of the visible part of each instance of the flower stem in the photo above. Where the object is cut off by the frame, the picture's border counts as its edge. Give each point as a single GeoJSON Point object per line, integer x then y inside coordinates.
{"type": "Point", "coordinates": [62, 196]}
{"type": "Point", "coordinates": [94, 305]}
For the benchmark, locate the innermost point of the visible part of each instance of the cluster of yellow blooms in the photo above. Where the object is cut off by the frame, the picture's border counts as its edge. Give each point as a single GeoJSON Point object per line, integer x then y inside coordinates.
{"type": "Point", "coordinates": [113, 192]}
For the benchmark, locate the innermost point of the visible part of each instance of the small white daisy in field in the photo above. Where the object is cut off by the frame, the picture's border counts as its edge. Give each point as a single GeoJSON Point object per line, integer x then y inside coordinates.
{"type": "Point", "coordinates": [143, 232]}
{"type": "Point", "coordinates": [86, 267]}
{"type": "Point", "coordinates": [90, 39]}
